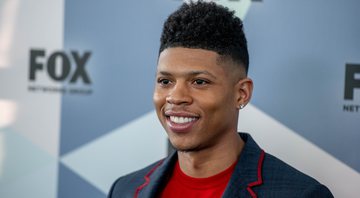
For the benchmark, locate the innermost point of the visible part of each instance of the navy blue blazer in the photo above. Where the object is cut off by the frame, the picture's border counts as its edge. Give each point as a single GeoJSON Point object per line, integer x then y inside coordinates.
{"type": "Point", "coordinates": [257, 174]}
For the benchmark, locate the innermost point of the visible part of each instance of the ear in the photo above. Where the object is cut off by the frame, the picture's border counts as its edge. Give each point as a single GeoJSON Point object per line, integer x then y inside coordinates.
{"type": "Point", "coordinates": [244, 88]}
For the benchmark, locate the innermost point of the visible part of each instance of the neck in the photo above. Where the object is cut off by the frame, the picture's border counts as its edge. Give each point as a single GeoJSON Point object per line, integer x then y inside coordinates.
{"type": "Point", "coordinates": [210, 161]}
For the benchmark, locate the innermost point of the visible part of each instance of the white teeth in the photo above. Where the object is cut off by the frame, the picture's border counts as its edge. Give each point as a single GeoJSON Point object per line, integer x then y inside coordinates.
{"type": "Point", "coordinates": [181, 120]}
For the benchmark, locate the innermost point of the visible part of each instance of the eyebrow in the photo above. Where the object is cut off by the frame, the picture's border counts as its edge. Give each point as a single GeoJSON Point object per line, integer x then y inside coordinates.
{"type": "Point", "coordinates": [191, 73]}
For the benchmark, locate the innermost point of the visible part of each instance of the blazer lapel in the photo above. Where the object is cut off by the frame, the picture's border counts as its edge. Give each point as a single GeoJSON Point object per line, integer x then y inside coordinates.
{"type": "Point", "coordinates": [157, 178]}
{"type": "Point", "coordinates": [247, 173]}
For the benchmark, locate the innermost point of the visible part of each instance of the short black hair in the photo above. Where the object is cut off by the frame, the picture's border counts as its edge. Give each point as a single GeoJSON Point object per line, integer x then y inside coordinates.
{"type": "Point", "coordinates": [206, 25]}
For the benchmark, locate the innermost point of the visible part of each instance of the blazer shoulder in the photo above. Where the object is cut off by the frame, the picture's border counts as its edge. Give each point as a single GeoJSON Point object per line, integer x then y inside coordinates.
{"type": "Point", "coordinates": [126, 186]}
{"type": "Point", "coordinates": [285, 179]}
{"type": "Point", "coordinates": [318, 190]}
{"type": "Point", "coordinates": [276, 169]}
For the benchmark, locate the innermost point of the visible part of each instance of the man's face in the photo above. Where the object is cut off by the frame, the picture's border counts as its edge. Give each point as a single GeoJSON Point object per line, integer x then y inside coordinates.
{"type": "Point", "coordinates": [195, 98]}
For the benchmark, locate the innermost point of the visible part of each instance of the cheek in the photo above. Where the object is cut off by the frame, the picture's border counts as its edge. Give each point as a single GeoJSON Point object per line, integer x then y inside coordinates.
{"type": "Point", "coordinates": [210, 109]}
{"type": "Point", "coordinates": [158, 99]}
{"type": "Point", "coordinates": [217, 105]}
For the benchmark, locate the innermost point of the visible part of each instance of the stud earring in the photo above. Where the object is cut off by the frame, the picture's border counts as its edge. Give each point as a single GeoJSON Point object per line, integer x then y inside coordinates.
{"type": "Point", "coordinates": [242, 106]}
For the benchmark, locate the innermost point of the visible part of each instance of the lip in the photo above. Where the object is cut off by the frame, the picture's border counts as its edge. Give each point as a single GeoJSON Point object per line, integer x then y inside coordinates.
{"type": "Point", "coordinates": [180, 127]}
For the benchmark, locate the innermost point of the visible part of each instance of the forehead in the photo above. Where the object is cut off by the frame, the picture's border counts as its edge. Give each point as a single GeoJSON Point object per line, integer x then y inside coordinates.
{"type": "Point", "coordinates": [188, 58]}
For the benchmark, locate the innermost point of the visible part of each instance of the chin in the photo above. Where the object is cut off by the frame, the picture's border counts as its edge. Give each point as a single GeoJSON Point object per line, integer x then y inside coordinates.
{"type": "Point", "coordinates": [186, 148]}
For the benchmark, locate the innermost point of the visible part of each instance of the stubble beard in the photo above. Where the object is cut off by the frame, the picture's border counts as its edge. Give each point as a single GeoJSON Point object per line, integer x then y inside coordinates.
{"type": "Point", "coordinates": [188, 150]}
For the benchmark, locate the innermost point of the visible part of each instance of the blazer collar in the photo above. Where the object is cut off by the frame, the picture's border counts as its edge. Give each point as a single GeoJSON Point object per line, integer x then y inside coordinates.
{"type": "Point", "coordinates": [158, 177]}
{"type": "Point", "coordinates": [247, 173]}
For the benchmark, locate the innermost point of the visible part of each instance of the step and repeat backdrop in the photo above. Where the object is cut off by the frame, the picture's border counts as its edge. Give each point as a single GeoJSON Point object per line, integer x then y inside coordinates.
{"type": "Point", "coordinates": [76, 82]}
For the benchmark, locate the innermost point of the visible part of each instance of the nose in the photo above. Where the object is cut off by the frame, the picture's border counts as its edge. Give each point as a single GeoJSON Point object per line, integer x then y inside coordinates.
{"type": "Point", "coordinates": [179, 95]}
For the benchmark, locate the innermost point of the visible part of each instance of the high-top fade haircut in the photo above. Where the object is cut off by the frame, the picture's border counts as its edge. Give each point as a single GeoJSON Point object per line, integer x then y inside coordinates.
{"type": "Point", "coordinates": [206, 25]}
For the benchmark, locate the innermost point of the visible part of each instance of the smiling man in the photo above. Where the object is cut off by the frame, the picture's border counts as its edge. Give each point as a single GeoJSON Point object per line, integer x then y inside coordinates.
{"type": "Point", "coordinates": [201, 85]}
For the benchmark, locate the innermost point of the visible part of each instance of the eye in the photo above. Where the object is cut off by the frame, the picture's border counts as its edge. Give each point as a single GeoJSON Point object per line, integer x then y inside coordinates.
{"type": "Point", "coordinates": [200, 82]}
{"type": "Point", "coordinates": [164, 81]}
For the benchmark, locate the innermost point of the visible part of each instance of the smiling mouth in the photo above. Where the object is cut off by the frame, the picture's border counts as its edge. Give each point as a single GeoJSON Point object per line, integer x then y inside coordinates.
{"type": "Point", "coordinates": [181, 124]}
{"type": "Point", "coordinates": [181, 120]}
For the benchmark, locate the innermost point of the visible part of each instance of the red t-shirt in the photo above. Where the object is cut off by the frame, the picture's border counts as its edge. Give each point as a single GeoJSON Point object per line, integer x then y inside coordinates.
{"type": "Point", "coordinates": [181, 185]}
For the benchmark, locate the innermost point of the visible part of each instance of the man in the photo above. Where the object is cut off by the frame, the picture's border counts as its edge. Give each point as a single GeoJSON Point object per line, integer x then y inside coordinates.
{"type": "Point", "coordinates": [201, 85]}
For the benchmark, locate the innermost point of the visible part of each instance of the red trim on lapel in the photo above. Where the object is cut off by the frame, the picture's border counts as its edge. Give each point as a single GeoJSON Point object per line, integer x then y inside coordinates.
{"type": "Point", "coordinates": [259, 175]}
{"type": "Point", "coordinates": [147, 179]}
